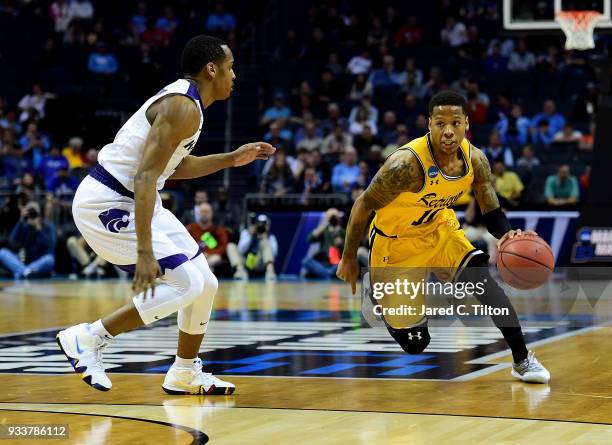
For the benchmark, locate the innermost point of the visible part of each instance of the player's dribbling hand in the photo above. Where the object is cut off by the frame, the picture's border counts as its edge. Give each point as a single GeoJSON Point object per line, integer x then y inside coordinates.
{"type": "Point", "coordinates": [512, 233]}
{"type": "Point", "coordinates": [247, 153]}
{"type": "Point", "coordinates": [147, 271]}
{"type": "Point", "coordinates": [348, 271]}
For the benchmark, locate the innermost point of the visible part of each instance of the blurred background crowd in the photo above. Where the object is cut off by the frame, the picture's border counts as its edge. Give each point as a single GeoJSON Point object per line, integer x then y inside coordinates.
{"type": "Point", "coordinates": [336, 86]}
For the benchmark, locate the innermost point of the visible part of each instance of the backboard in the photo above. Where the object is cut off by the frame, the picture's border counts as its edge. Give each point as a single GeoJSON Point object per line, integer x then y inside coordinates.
{"type": "Point", "coordinates": [539, 15]}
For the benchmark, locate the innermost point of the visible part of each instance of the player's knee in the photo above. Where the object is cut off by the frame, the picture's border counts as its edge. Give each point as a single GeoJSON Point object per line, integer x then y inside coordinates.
{"type": "Point", "coordinates": [211, 284]}
{"type": "Point", "coordinates": [193, 287]}
{"type": "Point", "coordinates": [412, 340]}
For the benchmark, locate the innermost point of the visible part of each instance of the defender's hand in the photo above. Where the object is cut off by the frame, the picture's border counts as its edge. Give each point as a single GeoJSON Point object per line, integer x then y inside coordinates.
{"type": "Point", "coordinates": [348, 271]}
{"type": "Point", "coordinates": [147, 270]}
{"type": "Point", "coordinates": [247, 153]}
{"type": "Point", "coordinates": [512, 233]}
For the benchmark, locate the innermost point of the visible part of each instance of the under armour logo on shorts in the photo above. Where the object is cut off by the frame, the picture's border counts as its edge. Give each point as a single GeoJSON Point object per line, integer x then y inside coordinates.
{"type": "Point", "coordinates": [412, 336]}
{"type": "Point", "coordinates": [115, 219]}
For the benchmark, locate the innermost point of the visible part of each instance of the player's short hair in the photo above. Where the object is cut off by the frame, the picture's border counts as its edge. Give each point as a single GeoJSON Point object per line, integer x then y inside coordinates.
{"type": "Point", "coordinates": [450, 98]}
{"type": "Point", "coordinates": [199, 51]}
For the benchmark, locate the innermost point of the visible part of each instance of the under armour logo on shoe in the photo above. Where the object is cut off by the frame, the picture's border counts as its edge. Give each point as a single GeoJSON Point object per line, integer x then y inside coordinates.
{"type": "Point", "coordinates": [412, 336]}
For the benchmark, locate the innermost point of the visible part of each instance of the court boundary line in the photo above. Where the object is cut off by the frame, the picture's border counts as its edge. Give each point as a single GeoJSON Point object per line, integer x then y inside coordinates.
{"type": "Point", "coordinates": [586, 422]}
{"type": "Point", "coordinates": [199, 437]}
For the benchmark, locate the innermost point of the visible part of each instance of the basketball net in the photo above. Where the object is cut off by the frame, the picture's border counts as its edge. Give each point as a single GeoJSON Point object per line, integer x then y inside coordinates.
{"type": "Point", "coordinates": [578, 27]}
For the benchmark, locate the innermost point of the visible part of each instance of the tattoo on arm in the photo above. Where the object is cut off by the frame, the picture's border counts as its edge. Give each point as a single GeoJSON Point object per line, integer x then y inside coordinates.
{"type": "Point", "coordinates": [401, 173]}
{"type": "Point", "coordinates": [482, 186]}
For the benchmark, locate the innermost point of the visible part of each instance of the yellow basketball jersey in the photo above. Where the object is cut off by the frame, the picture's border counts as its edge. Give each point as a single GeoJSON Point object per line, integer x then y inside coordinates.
{"type": "Point", "coordinates": [416, 214]}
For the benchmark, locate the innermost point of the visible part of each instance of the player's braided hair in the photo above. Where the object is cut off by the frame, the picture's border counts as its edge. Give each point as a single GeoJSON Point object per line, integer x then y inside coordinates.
{"type": "Point", "coordinates": [199, 51]}
{"type": "Point", "coordinates": [447, 97]}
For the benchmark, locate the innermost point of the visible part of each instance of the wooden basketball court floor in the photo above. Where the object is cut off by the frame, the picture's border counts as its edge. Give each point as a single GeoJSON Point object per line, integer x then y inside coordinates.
{"type": "Point", "coordinates": [308, 372]}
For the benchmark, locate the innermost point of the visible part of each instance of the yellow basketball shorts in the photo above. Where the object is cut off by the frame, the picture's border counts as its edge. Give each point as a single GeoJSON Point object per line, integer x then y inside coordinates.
{"type": "Point", "coordinates": [443, 251]}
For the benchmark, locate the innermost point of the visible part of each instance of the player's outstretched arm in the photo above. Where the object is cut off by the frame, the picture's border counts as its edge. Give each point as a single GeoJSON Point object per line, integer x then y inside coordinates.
{"type": "Point", "coordinates": [172, 119]}
{"type": "Point", "coordinates": [401, 172]}
{"type": "Point", "coordinates": [494, 217]}
{"type": "Point", "coordinates": [198, 166]}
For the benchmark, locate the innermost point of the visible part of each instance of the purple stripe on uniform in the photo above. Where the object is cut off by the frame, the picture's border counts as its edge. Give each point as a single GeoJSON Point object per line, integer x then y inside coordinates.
{"type": "Point", "coordinates": [100, 174]}
{"type": "Point", "coordinates": [199, 252]}
{"type": "Point", "coordinates": [169, 262]}
{"type": "Point", "coordinates": [194, 94]}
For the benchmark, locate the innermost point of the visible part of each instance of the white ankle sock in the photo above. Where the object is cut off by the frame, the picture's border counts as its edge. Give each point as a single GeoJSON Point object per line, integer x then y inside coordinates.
{"type": "Point", "coordinates": [183, 362]}
{"type": "Point", "coordinates": [98, 328]}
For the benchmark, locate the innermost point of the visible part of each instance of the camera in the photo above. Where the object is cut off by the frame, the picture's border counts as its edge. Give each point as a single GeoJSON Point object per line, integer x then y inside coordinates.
{"type": "Point", "coordinates": [334, 221]}
{"type": "Point", "coordinates": [32, 213]}
{"type": "Point", "coordinates": [261, 224]}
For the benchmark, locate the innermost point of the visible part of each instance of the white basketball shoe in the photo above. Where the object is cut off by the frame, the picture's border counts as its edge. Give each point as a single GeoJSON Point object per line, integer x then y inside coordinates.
{"type": "Point", "coordinates": [530, 370]}
{"type": "Point", "coordinates": [191, 380]}
{"type": "Point", "coordinates": [84, 352]}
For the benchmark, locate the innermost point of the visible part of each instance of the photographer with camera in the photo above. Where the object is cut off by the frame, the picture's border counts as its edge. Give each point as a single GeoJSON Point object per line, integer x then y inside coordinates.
{"type": "Point", "coordinates": [36, 238]}
{"type": "Point", "coordinates": [257, 249]}
{"type": "Point", "coordinates": [330, 236]}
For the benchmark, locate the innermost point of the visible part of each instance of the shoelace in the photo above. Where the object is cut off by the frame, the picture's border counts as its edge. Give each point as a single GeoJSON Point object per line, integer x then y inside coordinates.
{"type": "Point", "coordinates": [201, 375]}
{"type": "Point", "coordinates": [100, 347]}
{"type": "Point", "coordinates": [530, 363]}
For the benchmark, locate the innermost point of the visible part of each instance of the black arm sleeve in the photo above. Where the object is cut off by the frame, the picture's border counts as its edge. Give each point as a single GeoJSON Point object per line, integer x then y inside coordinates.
{"type": "Point", "coordinates": [496, 222]}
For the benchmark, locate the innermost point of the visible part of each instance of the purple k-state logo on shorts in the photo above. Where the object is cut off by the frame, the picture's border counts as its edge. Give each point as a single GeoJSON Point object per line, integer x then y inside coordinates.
{"type": "Point", "coordinates": [115, 219]}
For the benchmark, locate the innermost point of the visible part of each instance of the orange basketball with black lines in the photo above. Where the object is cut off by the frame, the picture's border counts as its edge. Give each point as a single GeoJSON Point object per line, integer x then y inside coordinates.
{"type": "Point", "coordinates": [525, 262]}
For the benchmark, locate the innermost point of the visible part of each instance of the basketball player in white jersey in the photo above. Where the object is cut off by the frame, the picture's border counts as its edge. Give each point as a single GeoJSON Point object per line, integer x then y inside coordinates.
{"type": "Point", "coordinates": [118, 210]}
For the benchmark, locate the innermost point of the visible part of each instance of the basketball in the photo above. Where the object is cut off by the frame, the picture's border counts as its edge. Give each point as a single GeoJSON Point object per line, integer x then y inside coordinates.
{"type": "Point", "coordinates": [525, 262]}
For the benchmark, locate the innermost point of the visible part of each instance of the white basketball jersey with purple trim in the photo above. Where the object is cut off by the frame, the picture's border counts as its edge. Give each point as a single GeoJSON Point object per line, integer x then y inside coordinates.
{"type": "Point", "coordinates": [122, 157]}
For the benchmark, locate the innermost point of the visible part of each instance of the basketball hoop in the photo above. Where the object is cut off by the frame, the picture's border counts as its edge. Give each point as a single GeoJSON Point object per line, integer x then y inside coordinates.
{"type": "Point", "coordinates": [578, 27]}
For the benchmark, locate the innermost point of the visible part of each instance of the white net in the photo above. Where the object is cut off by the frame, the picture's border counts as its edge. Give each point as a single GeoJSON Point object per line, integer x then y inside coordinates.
{"type": "Point", "coordinates": [578, 27]}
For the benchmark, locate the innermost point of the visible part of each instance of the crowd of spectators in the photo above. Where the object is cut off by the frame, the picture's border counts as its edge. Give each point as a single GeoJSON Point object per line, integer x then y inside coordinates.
{"type": "Point", "coordinates": [341, 90]}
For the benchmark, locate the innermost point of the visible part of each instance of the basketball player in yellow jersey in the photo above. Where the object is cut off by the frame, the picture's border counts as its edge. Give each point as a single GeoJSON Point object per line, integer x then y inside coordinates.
{"type": "Point", "coordinates": [414, 231]}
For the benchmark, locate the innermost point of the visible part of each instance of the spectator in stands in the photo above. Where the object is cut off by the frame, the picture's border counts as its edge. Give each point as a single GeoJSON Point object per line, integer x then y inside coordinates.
{"type": "Point", "coordinates": [411, 79]}
{"type": "Point", "coordinates": [36, 100]}
{"type": "Point", "coordinates": [279, 110]}
{"type": "Point", "coordinates": [140, 19]}
{"type": "Point", "coordinates": [568, 135]}
{"type": "Point", "coordinates": [360, 64]}
{"type": "Point", "coordinates": [378, 34]}
{"type": "Point", "coordinates": [410, 34]}
{"type": "Point", "coordinates": [346, 173]}
{"type": "Point", "coordinates": [365, 177]}
{"type": "Point", "coordinates": [361, 120]}
{"type": "Point", "coordinates": [279, 136]}
{"type": "Point", "coordinates": [514, 129]}
{"type": "Point", "coordinates": [333, 119]}
{"type": "Point", "coordinates": [212, 239]}
{"type": "Point", "coordinates": [521, 59]}
{"type": "Point", "coordinates": [360, 88]}
{"type": "Point", "coordinates": [434, 84]}
{"type": "Point", "coordinates": [51, 164]}
{"type": "Point", "coordinates": [328, 91]}
{"type": "Point", "coordinates": [279, 180]}
{"type": "Point", "coordinates": [495, 151]}
{"type": "Point", "coordinates": [329, 235]}
{"type": "Point", "coordinates": [59, 13]}
{"type": "Point", "coordinates": [334, 66]}
{"type": "Point", "coordinates": [528, 159]}
{"type": "Point", "coordinates": [311, 140]}
{"type": "Point", "coordinates": [15, 164]}
{"type": "Point", "coordinates": [257, 250]}
{"type": "Point", "coordinates": [168, 22]}
{"type": "Point", "coordinates": [495, 63]}
{"type": "Point", "coordinates": [90, 264]}
{"type": "Point", "coordinates": [34, 144]}
{"type": "Point", "coordinates": [226, 211]}
{"type": "Point", "coordinates": [154, 36]}
{"type": "Point", "coordinates": [371, 112]}
{"type": "Point", "coordinates": [9, 122]}
{"type": "Point", "coordinates": [73, 152]}
{"type": "Point", "coordinates": [562, 189]}
{"type": "Point", "coordinates": [409, 109]}
{"type": "Point", "coordinates": [336, 142]}
{"type": "Point", "coordinates": [477, 110]}
{"type": "Point", "coordinates": [364, 141]}
{"type": "Point", "coordinates": [508, 185]}
{"type": "Point", "coordinates": [37, 238]}
{"type": "Point", "coordinates": [585, 181]}
{"type": "Point", "coordinates": [81, 10]}
{"type": "Point", "coordinates": [549, 113]}
{"type": "Point", "coordinates": [102, 62]}
{"type": "Point", "coordinates": [543, 134]}
{"type": "Point", "coordinates": [388, 129]}
{"type": "Point", "coordinates": [193, 213]}
{"type": "Point", "coordinates": [220, 22]}
{"type": "Point", "coordinates": [454, 33]}
{"type": "Point", "coordinates": [385, 76]}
